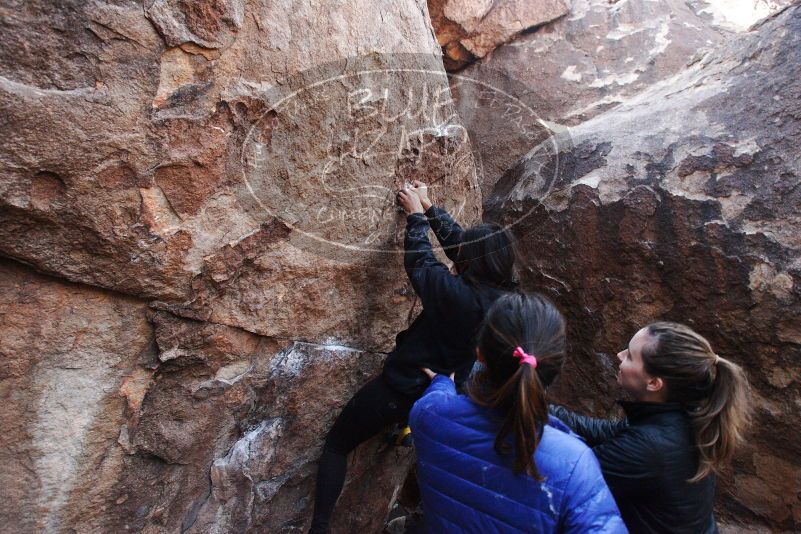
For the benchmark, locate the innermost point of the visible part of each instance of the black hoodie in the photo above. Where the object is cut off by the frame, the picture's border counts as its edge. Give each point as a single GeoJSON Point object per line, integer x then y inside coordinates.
{"type": "Point", "coordinates": [647, 460]}
{"type": "Point", "coordinates": [443, 336]}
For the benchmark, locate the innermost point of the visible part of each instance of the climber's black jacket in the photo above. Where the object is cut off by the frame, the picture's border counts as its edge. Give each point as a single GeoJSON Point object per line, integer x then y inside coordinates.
{"type": "Point", "coordinates": [646, 460]}
{"type": "Point", "coordinates": [442, 337]}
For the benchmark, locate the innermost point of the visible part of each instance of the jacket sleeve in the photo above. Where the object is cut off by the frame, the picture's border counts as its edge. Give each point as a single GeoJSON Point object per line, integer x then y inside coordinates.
{"type": "Point", "coordinates": [630, 463]}
{"type": "Point", "coordinates": [589, 504]}
{"type": "Point", "coordinates": [440, 389]}
{"type": "Point", "coordinates": [594, 431]}
{"type": "Point", "coordinates": [431, 279]}
{"type": "Point", "coordinates": [448, 231]}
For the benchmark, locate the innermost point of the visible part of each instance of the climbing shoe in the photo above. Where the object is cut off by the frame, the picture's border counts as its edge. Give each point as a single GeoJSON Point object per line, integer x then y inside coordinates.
{"type": "Point", "coordinates": [404, 437]}
{"type": "Point", "coordinates": [400, 436]}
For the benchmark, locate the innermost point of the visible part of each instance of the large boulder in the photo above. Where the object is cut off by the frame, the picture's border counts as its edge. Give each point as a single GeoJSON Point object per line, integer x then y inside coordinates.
{"type": "Point", "coordinates": [198, 201]}
{"type": "Point", "coordinates": [67, 350]}
{"type": "Point", "coordinates": [118, 418]}
{"type": "Point", "coordinates": [683, 202]}
{"type": "Point", "coordinates": [574, 68]}
{"type": "Point", "coordinates": [229, 431]}
{"type": "Point", "coordinates": [470, 29]}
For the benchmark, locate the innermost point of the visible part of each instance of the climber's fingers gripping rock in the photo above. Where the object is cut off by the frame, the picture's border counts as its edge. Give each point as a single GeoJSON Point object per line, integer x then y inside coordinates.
{"type": "Point", "coordinates": [422, 191]}
{"type": "Point", "coordinates": [409, 201]}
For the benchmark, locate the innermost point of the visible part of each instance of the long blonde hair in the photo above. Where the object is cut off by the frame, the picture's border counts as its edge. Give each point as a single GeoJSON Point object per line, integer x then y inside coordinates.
{"type": "Point", "coordinates": [714, 390]}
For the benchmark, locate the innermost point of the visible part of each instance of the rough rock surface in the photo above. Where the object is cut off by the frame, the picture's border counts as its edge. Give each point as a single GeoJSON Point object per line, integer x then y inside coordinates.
{"type": "Point", "coordinates": [470, 29]}
{"type": "Point", "coordinates": [736, 15]}
{"type": "Point", "coordinates": [208, 186]}
{"type": "Point", "coordinates": [66, 350]}
{"type": "Point", "coordinates": [683, 202]}
{"type": "Point", "coordinates": [201, 249]}
{"type": "Point", "coordinates": [572, 69]}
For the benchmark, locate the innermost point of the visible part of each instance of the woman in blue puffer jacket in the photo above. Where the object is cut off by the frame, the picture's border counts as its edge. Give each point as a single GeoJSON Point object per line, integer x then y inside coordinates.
{"type": "Point", "coordinates": [493, 460]}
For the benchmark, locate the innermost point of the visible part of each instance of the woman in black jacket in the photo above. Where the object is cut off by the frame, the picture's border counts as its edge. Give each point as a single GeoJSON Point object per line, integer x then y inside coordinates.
{"type": "Point", "coordinates": [690, 409]}
{"type": "Point", "coordinates": [441, 338]}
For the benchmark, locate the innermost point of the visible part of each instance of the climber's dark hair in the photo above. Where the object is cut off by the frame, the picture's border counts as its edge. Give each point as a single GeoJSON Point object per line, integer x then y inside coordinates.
{"type": "Point", "coordinates": [487, 255]}
{"type": "Point", "coordinates": [531, 322]}
{"type": "Point", "coordinates": [714, 390]}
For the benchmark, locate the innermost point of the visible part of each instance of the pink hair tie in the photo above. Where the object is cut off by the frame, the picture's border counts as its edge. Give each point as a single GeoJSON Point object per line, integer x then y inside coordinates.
{"type": "Point", "coordinates": [525, 358]}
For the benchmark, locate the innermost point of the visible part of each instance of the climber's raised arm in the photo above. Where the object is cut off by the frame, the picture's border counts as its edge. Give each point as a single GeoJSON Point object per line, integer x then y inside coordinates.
{"type": "Point", "coordinates": [431, 279]}
{"type": "Point", "coordinates": [448, 232]}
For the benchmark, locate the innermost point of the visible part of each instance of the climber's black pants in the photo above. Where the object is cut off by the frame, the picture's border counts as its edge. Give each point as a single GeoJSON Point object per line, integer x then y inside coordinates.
{"type": "Point", "coordinates": [373, 408]}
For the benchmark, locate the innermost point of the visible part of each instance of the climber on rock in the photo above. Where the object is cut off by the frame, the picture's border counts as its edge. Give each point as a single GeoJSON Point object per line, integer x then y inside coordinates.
{"type": "Point", "coordinates": [493, 460]}
{"type": "Point", "coordinates": [440, 338]}
{"type": "Point", "coordinates": [689, 411]}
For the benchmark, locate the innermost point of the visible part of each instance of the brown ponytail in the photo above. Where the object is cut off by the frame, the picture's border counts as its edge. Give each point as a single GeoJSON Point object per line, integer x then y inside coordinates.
{"type": "Point", "coordinates": [713, 389]}
{"type": "Point", "coordinates": [515, 389]}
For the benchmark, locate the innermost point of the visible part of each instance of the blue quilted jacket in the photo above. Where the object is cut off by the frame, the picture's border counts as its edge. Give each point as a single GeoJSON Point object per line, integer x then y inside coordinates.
{"type": "Point", "coordinates": [467, 487]}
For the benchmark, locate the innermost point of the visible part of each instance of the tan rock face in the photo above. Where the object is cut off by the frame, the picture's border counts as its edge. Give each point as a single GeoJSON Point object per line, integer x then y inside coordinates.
{"type": "Point", "coordinates": [682, 203]}
{"type": "Point", "coordinates": [227, 436]}
{"type": "Point", "coordinates": [211, 185]}
{"type": "Point", "coordinates": [66, 350]}
{"type": "Point", "coordinates": [587, 62]}
{"type": "Point", "coordinates": [583, 64]}
{"type": "Point", "coordinates": [471, 29]}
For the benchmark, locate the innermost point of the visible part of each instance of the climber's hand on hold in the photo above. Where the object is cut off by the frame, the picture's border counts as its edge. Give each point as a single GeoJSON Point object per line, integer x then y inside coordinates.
{"type": "Point", "coordinates": [422, 191]}
{"type": "Point", "coordinates": [409, 201]}
{"type": "Point", "coordinates": [431, 374]}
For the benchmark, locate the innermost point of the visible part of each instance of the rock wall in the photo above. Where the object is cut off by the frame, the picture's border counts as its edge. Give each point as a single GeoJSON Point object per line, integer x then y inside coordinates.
{"type": "Point", "coordinates": [682, 202]}
{"type": "Point", "coordinates": [202, 253]}
{"type": "Point", "coordinates": [200, 248]}
{"type": "Point", "coordinates": [569, 70]}
{"type": "Point", "coordinates": [468, 30]}
{"type": "Point", "coordinates": [572, 69]}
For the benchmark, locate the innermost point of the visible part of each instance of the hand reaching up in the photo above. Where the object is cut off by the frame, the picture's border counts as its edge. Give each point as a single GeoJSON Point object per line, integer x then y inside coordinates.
{"type": "Point", "coordinates": [422, 191]}
{"type": "Point", "coordinates": [431, 374]}
{"type": "Point", "coordinates": [410, 201]}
